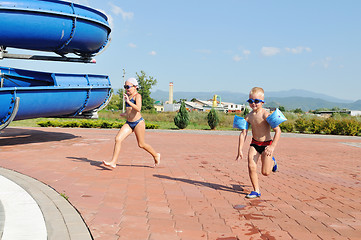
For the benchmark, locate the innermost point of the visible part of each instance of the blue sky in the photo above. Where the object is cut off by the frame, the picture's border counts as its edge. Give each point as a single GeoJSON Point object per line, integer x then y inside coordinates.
{"type": "Point", "coordinates": [232, 45]}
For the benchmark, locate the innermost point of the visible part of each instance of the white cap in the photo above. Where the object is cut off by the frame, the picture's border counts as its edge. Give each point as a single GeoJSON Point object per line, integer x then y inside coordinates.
{"type": "Point", "coordinates": [133, 81]}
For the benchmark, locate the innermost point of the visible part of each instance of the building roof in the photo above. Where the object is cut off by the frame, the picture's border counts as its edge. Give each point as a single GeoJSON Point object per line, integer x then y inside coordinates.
{"type": "Point", "coordinates": [194, 105]}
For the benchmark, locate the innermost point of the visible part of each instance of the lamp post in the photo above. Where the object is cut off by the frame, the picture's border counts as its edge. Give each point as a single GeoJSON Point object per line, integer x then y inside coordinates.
{"type": "Point", "coordinates": [123, 110]}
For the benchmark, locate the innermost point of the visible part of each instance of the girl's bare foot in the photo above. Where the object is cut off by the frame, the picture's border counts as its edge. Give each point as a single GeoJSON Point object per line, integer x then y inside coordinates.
{"type": "Point", "coordinates": [108, 164]}
{"type": "Point", "coordinates": [157, 160]}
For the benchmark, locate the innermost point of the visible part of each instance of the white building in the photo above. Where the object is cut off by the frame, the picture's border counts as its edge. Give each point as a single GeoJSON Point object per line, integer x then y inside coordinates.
{"type": "Point", "coordinates": [201, 105]}
{"type": "Point", "coordinates": [171, 107]}
{"type": "Point", "coordinates": [206, 106]}
{"type": "Point", "coordinates": [355, 113]}
{"type": "Point", "coordinates": [233, 107]}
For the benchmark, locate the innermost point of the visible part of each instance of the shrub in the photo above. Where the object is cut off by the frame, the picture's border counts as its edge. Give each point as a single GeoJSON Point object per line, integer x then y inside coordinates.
{"type": "Point", "coordinates": [316, 125]}
{"type": "Point", "coordinates": [49, 123]}
{"type": "Point", "coordinates": [70, 124]}
{"type": "Point", "coordinates": [105, 124]}
{"type": "Point", "coordinates": [151, 126]}
{"type": "Point", "coordinates": [348, 127]}
{"type": "Point", "coordinates": [287, 126]}
{"type": "Point", "coordinates": [329, 126]}
{"type": "Point", "coordinates": [298, 110]}
{"type": "Point", "coordinates": [181, 120]}
{"type": "Point", "coordinates": [117, 125]}
{"type": "Point", "coordinates": [213, 119]}
{"type": "Point", "coordinates": [44, 123]}
{"type": "Point", "coordinates": [301, 125]}
{"type": "Point", "coordinates": [89, 124]}
{"type": "Point", "coordinates": [86, 124]}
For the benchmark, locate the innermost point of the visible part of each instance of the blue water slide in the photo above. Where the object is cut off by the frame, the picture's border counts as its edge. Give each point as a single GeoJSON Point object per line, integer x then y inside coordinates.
{"type": "Point", "coordinates": [53, 26]}
{"type": "Point", "coordinates": [28, 94]}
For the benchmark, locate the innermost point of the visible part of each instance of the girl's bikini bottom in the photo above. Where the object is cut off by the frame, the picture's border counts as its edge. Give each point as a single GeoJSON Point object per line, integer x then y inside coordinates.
{"type": "Point", "coordinates": [132, 125]}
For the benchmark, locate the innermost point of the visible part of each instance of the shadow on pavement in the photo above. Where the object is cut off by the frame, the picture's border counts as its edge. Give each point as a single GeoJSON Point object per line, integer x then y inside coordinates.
{"type": "Point", "coordinates": [235, 188]}
{"type": "Point", "coordinates": [91, 162]}
{"type": "Point", "coordinates": [103, 167]}
{"type": "Point", "coordinates": [18, 136]}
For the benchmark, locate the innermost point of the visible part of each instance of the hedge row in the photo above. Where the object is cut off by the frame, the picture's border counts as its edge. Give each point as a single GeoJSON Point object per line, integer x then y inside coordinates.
{"type": "Point", "coordinates": [346, 126]}
{"type": "Point", "coordinates": [88, 124]}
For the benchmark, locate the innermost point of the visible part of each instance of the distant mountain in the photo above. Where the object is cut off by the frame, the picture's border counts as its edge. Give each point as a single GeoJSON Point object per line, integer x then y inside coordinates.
{"type": "Point", "coordinates": [307, 103]}
{"type": "Point", "coordinates": [304, 93]}
{"type": "Point", "coordinates": [291, 99]}
{"type": "Point", "coordinates": [226, 96]}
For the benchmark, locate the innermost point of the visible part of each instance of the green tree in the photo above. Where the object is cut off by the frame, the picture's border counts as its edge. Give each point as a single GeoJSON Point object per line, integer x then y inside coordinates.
{"type": "Point", "coordinates": [181, 120]}
{"type": "Point", "coordinates": [121, 98]}
{"type": "Point", "coordinates": [282, 108]}
{"type": "Point", "coordinates": [213, 119]}
{"type": "Point", "coordinates": [145, 84]}
{"type": "Point", "coordinates": [245, 112]}
{"type": "Point", "coordinates": [116, 101]}
{"type": "Point", "coordinates": [298, 110]}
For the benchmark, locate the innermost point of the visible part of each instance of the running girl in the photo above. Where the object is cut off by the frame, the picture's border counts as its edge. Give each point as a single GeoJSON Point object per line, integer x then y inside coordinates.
{"type": "Point", "coordinates": [135, 123]}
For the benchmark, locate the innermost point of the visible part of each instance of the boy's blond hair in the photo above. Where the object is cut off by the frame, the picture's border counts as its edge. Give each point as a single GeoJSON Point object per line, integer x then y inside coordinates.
{"type": "Point", "coordinates": [257, 90]}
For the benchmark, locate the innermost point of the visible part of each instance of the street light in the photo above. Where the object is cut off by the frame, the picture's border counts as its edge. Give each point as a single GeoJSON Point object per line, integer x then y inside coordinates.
{"type": "Point", "coordinates": [123, 90]}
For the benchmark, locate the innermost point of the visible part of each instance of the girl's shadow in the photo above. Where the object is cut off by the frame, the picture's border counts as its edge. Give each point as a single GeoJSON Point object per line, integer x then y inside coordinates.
{"type": "Point", "coordinates": [101, 166]}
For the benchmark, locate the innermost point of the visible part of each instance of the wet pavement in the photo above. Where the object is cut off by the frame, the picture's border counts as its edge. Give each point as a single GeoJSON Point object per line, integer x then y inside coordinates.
{"type": "Point", "coordinates": [198, 190]}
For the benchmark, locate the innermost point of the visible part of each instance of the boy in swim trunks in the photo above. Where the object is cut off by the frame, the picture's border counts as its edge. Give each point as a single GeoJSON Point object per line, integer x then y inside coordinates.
{"type": "Point", "coordinates": [135, 123]}
{"type": "Point", "coordinates": [262, 144]}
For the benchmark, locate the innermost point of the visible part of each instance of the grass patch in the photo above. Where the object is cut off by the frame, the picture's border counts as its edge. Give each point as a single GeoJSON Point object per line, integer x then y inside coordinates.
{"type": "Point", "coordinates": [306, 123]}
{"type": "Point", "coordinates": [64, 196]}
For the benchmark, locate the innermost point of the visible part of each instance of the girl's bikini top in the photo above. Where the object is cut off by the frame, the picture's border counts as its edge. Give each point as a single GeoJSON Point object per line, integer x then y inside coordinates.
{"type": "Point", "coordinates": [132, 100]}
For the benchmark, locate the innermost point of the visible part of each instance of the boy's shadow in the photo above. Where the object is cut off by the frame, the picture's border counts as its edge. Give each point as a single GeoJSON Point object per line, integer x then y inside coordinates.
{"type": "Point", "coordinates": [101, 166]}
{"type": "Point", "coordinates": [235, 188]}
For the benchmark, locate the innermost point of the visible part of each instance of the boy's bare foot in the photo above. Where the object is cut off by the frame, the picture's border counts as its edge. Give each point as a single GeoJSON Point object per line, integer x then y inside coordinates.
{"type": "Point", "coordinates": [109, 164]}
{"type": "Point", "coordinates": [157, 160]}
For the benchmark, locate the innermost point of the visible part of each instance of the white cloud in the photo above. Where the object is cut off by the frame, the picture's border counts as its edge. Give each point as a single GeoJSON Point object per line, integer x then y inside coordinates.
{"type": "Point", "coordinates": [298, 50]}
{"type": "Point", "coordinates": [270, 51]}
{"type": "Point", "coordinates": [246, 52]}
{"type": "Point", "coordinates": [325, 63]}
{"type": "Point", "coordinates": [132, 45]}
{"type": "Point", "coordinates": [237, 58]}
{"type": "Point", "coordinates": [119, 11]}
{"type": "Point", "coordinates": [153, 53]}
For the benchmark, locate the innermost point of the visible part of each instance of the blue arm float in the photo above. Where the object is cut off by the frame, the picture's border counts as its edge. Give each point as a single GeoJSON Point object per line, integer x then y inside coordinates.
{"type": "Point", "coordinates": [240, 122]}
{"type": "Point", "coordinates": [276, 118]}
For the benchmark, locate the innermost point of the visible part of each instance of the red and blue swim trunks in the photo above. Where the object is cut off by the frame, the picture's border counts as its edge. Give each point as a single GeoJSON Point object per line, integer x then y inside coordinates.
{"type": "Point", "coordinates": [260, 146]}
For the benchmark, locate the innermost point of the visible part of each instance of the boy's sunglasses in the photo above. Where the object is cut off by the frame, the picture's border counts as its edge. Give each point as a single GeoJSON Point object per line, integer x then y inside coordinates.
{"type": "Point", "coordinates": [256, 101]}
{"type": "Point", "coordinates": [127, 86]}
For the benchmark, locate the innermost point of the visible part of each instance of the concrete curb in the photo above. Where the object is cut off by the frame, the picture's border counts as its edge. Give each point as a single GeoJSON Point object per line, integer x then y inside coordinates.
{"type": "Point", "coordinates": [62, 220]}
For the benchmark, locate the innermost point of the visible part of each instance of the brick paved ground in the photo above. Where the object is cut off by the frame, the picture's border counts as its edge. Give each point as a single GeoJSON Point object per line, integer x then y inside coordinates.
{"type": "Point", "coordinates": [198, 190]}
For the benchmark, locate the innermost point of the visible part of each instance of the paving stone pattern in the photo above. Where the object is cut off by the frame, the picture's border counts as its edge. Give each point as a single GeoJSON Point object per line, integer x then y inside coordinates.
{"type": "Point", "coordinates": [198, 190]}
